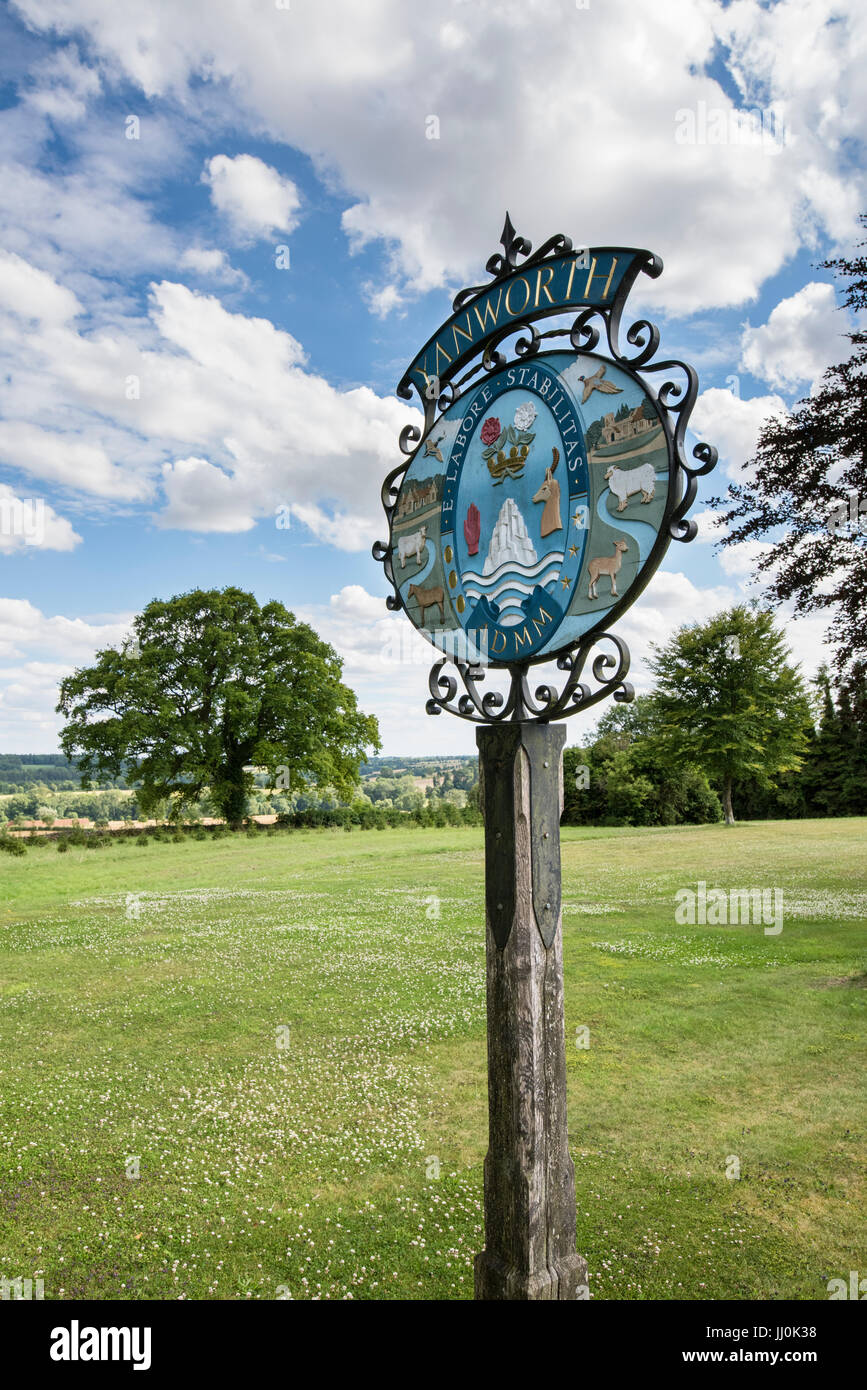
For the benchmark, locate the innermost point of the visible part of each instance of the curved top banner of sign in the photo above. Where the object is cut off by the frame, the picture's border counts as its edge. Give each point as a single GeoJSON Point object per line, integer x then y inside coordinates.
{"type": "Point", "coordinates": [584, 279]}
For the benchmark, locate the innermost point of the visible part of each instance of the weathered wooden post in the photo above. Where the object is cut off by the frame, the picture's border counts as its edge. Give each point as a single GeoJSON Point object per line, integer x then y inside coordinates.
{"type": "Point", "coordinates": [529, 1175]}
{"type": "Point", "coordinates": [508, 514]}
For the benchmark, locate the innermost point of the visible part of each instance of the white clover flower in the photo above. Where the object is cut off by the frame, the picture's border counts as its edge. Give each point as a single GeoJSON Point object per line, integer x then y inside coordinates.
{"type": "Point", "coordinates": [525, 415]}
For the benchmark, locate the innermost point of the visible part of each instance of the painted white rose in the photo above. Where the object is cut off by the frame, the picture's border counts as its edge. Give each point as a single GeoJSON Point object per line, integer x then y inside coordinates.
{"type": "Point", "coordinates": [524, 416]}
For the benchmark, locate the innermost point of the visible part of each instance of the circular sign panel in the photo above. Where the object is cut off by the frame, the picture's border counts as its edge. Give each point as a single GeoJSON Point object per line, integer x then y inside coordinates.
{"type": "Point", "coordinates": [532, 508]}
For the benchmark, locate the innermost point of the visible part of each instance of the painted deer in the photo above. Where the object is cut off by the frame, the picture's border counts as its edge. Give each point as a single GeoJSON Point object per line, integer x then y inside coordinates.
{"type": "Point", "coordinates": [607, 564]}
{"type": "Point", "coordinates": [427, 598]}
{"type": "Point", "coordinates": [549, 493]}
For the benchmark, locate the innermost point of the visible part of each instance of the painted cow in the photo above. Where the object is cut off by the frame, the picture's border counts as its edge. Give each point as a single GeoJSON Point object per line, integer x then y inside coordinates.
{"type": "Point", "coordinates": [412, 545]}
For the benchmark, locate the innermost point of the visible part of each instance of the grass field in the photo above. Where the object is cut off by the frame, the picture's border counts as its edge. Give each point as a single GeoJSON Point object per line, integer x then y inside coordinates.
{"type": "Point", "coordinates": [284, 1038]}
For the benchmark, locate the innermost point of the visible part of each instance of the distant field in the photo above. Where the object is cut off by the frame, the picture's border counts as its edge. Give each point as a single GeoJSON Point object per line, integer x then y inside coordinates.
{"type": "Point", "coordinates": [287, 1034]}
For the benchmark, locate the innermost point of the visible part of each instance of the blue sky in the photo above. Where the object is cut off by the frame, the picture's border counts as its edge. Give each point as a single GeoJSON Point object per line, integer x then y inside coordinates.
{"type": "Point", "coordinates": [166, 385]}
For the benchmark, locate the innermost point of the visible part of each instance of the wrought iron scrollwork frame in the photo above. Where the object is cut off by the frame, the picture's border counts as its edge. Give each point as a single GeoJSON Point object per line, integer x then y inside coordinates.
{"type": "Point", "coordinates": [674, 400]}
{"type": "Point", "coordinates": [543, 704]}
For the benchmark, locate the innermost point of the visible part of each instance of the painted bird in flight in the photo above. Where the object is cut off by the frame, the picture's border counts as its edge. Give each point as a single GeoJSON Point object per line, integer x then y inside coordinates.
{"type": "Point", "coordinates": [595, 383]}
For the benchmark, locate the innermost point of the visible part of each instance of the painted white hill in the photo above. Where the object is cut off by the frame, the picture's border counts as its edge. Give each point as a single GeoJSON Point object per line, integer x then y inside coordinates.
{"type": "Point", "coordinates": [510, 543]}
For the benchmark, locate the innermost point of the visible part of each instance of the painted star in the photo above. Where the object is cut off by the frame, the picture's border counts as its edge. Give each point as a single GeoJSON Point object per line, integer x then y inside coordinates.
{"type": "Point", "coordinates": [578, 517]}
{"type": "Point", "coordinates": [565, 582]}
{"type": "Point", "coordinates": [573, 550]}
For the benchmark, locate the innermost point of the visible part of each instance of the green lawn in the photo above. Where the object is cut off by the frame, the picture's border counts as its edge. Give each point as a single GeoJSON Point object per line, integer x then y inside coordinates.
{"type": "Point", "coordinates": [290, 1038]}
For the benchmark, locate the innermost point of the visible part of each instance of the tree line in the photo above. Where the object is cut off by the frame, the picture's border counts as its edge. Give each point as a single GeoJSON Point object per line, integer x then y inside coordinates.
{"type": "Point", "coordinates": [25, 772]}
{"type": "Point", "coordinates": [730, 731]}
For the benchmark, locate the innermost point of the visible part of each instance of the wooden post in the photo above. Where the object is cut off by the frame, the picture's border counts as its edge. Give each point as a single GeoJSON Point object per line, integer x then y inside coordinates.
{"type": "Point", "coordinates": [529, 1176]}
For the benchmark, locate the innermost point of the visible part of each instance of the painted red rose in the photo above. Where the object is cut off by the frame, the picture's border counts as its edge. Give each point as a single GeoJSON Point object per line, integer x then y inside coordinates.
{"type": "Point", "coordinates": [491, 430]}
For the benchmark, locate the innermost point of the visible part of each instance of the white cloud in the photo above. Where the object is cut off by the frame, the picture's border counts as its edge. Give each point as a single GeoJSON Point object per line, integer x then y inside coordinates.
{"type": "Point", "coordinates": [732, 425]}
{"type": "Point", "coordinates": [737, 561]}
{"type": "Point", "coordinates": [67, 459]}
{"type": "Point", "coordinates": [208, 261]}
{"type": "Point", "coordinates": [215, 406]}
{"type": "Point", "coordinates": [381, 301]}
{"type": "Point", "coordinates": [320, 451]}
{"type": "Point", "coordinates": [740, 560]}
{"type": "Point", "coordinates": [250, 351]}
{"type": "Point", "coordinates": [29, 523]}
{"type": "Point", "coordinates": [357, 105]}
{"type": "Point", "coordinates": [30, 293]}
{"type": "Point", "coordinates": [202, 498]}
{"type": "Point", "coordinates": [87, 211]}
{"type": "Point", "coordinates": [88, 220]}
{"type": "Point", "coordinates": [802, 337]}
{"type": "Point", "coordinates": [62, 86]}
{"type": "Point", "coordinates": [670, 600]}
{"type": "Point", "coordinates": [347, 531]}
{"type": "Point", "coordinates": [387, 663]}
{"type": "Point", "coordinates": [256, 199]}
{"type": "Point", "coordinates": [354, 601]}
{"type": "Point", "coordinates": [36, 652]}
{"type": "Point", "coordinates": [709, 528]}
{"type": "Point", "coordinates": [25, 629]}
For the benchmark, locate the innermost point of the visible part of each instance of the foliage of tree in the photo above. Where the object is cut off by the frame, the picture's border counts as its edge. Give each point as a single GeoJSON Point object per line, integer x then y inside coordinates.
{"type": "Point", "coordinates": [728, 700]}
{"type": "Point", "coordinates": [834, 781]}
{"type": "Point", "coordinates": [400, 792]}
{"type": "Point", "coordinates": [807, 463]}
{"type": "Point", "coordinates": [212, 684]}
{"type": "Point", "coordinates": [30, 805]}
{"type": "Point", "coordinates": [653, 763]}
{"type": "Point", "coordinates": [21, 772]}
{"type": "Point", "coordinates": [621, 778]}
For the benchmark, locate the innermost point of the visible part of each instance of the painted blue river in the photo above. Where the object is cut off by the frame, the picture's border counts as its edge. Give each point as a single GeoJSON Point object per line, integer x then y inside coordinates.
{"type": "Point", "coordinates": [641, 532]}
{"type": "Point", "coordinates": [430, 554]}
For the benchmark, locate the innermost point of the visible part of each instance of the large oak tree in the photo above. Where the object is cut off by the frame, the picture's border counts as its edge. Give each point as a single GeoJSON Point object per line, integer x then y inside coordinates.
{"type": "Point", "coordinates": [212, 684]}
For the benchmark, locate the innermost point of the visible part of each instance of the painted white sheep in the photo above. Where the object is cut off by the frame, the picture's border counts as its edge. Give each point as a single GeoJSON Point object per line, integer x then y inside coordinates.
{"type": "Point", "coordinates": [412, 545]}
{"type": "Point", "coordinates": [624, 483]}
